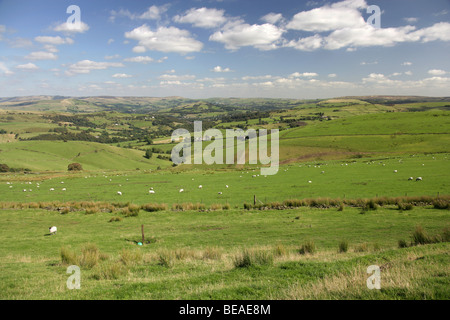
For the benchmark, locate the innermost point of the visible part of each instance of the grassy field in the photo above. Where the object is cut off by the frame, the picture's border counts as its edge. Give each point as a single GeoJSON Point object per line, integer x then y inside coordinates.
{"type": "Point", "coordinates": [341, 201]}
{"type": "Point", "coordinates": [196, 255]}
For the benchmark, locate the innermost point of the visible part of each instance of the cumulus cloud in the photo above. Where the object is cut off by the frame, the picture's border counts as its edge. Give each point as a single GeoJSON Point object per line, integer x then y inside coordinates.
{"type": "Point", "coordinates": [339, 15]}
{"type": "Point", "coordinates": [70, 28]}
{"type": "Point", "coordinates": [86, 66]}
{"type": "Point", "coordinates": [141, 59]}
{"type": "Point", "coordinates": [121, 75]}
{"type": "Point", "coordinates": [236, 35]}
{"type": "Point", "coordinates": [202, 17]}
{"type": "Point", "coordinates": [272, 18]}
{"type": "Point", "coordinates": [53, 40]}
{"type": "Point", "coordinates": [165, 39]}
{"type": "Point", "coordinates": [220, 69]}
{"type": "Point", "coordinates": [28, 66]}
{"type": "Point", "coordinates": [304, 74]}
{"type": "Point", "coordinates": [152, 13]}
{"type": "Point", "coordinates": [41, 55]}
{"type": "Point", "coordinates": [436, 72]}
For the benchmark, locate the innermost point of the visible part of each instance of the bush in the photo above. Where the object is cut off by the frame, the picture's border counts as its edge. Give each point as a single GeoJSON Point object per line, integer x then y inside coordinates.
{"type": "Point", "coordinates": [248, 258]}
{"type": "Point", "coordinates": [115, 219]}
{"type": "Point", "coordinates": [74, 167]}
{"type": "Point", "coordinates": [130, 257]}
{"type": "Point", "coordinates": [343, 246]}
{"type": "Point", "coordinates": [166, 259]}
{"type": "Point", "coordinates": [402, 244]}
{"type": "Point", "coordinates": [419, 236]}
{"type": "Point", "coordinates": [4, 167]}
{"type": "Point", "coordinates": [308, 247]}
{"type": "Point", "coordinates": [362, 247]}
{"type": "Point", "coordinates": [404, 206]}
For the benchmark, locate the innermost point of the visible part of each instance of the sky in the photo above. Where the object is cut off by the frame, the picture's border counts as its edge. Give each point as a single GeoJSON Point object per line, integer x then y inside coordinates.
{"type": "Point", "coordinates": [225, 48]}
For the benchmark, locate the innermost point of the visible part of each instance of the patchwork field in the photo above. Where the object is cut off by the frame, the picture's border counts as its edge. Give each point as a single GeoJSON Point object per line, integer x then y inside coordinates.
{"type": "Point", "coordinates": [361, 182]}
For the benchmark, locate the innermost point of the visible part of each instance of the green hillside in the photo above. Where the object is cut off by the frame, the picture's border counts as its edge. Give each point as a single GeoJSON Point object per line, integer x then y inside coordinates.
{"type": "Point", "coordinates": [56, 155]}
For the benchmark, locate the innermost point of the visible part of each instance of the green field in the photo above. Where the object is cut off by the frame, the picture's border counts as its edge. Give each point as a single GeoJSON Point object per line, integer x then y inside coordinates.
{"type": "Point", "coordinates": [343, 188]}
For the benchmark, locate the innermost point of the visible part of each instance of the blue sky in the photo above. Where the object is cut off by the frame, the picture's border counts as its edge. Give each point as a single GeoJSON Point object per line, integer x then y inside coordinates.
{"type": "Point", "coordinates": [228, 48]}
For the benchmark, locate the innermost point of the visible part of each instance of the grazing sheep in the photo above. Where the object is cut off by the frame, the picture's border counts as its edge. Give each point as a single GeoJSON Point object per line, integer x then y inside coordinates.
{"type": "Point", "coordinates": [395, 171]}
{"type": "Point", "coordinates": [63, 189]}
{"type": "Point", "coordinates": [181, 190]}
{"type": "Point", "coordinates": [323, 172]}
{"type": "Point", "coordinates": [253, 176]}
{"type": "Point", "coordinates": [219, 192]}
{"type": "Point", "coordinates": [52, 189]}
{"type": "Point", "coordinates": [151, 191]}
{"type": "Point", "coordinates": [52, 230]}
{"type": "Point", "coordinates": [419, 179]}
{"type": "Point", "coordinates": [410, 178]}
{"type": "Point", "coordinates": [119, 193]}
{"type": "Point", "coordinates": [309, 181]}
{"type": "Point", "coordinates": [24, 190]}
{"type": "Point", "coordinates": [226, 186]}
{"type": "Point", "coordinates": [200, 186]}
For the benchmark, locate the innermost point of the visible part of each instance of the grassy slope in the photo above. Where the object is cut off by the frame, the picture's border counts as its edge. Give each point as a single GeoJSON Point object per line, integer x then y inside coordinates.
{"type": "Point", "coordinates": [56, 155]}
{"type": "Point", "coordinates": [32, 266]}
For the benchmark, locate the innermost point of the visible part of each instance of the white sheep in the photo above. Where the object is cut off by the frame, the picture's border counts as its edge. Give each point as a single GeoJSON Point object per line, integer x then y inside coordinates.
{"type": "Point", "coordinates": [63, 189]}
{"type": "Point", "coordinates": [181, 190]}
{"type": "Point", "coordinates": [200, 186]}
{"type": "Point", "coordinates": [52, 189]}
{"type": "Point", "coordinates": [419, 179]}
{"type": "Point", "coordinates": [52, 230]}
{"type": "Point", "coordinates": [219, 192]}
{"type": "Point", "coordinates": [151, 191]}
{"type": "Point", "coordinates": [410, 178]}
{"type": "Point", "coordinates": [226, 186]}
{"type": "Point", "coordinates": [119, 193]}
{"type": "Point", "coordinates": [395, 171]}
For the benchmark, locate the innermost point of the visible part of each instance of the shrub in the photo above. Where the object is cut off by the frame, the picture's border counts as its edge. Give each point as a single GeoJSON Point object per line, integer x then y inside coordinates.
{"type": "Point", "coordinates": [74, 167]}
{"type": "Point", "coordinates": [419, 236]}
{"type": "Point", "coordinates": [115, 219]}
{"type": "Point", "coordinates": [341, 207]}
{"type": "Point", "coordinates": [248, 258]}
{"type": "Point", "coordinates": [343, 246]}
{"type": "Point", "coordinates": [68, 256]}
{"type": "Point", "coordinates": [4, 167]}
{"type": "Point", "coordinates": [441, 204]}
{"type": "Point", "coordinates": [308, 247]}
{"type": "Point", "coordinates": [404, 206]}
{"type": "Point", "coordinates": [402, 244]}
{"type": "Point", "coordinates": [166, 259]}
{"type": "Point", "coordinates": [153, 207]}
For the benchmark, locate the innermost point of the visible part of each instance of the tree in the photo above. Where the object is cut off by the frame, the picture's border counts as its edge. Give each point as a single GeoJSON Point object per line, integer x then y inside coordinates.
{"type": "Point", "coordinates": [148, 154]}
{"type": "Point", "coordinates": [74, 167]}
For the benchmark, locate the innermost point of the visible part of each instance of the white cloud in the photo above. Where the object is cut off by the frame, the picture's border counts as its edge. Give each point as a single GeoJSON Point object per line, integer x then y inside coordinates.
{"type": "Point", "coordinates": [304, 74]}
{"type": "Point", "coordinates": [272, 18]}
{"type": "Point", "coordinates": [306, 44]}
{"type": "Point", "coordinates": [70, 28]}
{"type": "Point", "coordinates": [220, 69]}
{"type": "Point", "coordinates": [41, 55]}
{"type": "Point", "coordinates": [411, 19]}
{"type": "Point", "coordinates": [408, 73]}
{"type": "Point", "coordinates": [438, 31]}
{"type": "Point", "coordinates": [115, 56]}
{"type": "Point", "coordinates": [53, 40]}
{"type": "Point", "coordinates": [4, 69]}
{"type": "Point", "coordinates": [28, 66]}
{"type": "Point", "coordinates": [407, 63]}
{"type": "Point", "coordinates": [165, 39]}
{"type": "Point", "coordinates": [436, 72]}
{"type": "Point", "coordinates": [141, 59]}
{"type": "Point", "coordinates": [86, 66]}
{"type": "Point", "coordinates": [174, 77]}
{"type": "Point", "coordinates": [344, 14]}
{"type": "Point", "coordinates": [121, 75]}
{"type": "Point", "coordinates": [139, 49]}
{"type": "Point", "coordinates": [240, 34]}
{"type": "Point", "coordinates": [202, 17]}
{"type": "Point", "coordinates": [332, 75]}
{"type": "Point", "coordinates": [111, 40]}
{"type": "Point", "coordinates": [152, 13]}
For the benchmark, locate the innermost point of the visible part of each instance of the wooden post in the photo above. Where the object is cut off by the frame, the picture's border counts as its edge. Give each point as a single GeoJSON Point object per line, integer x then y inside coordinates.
{"type": "Point", "coordinates": [254, 199]}
{"type": "Point", "coordinates": [143, 237]}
